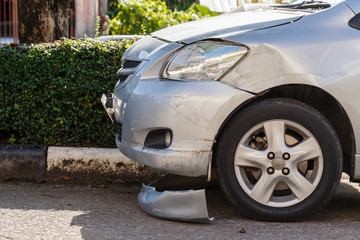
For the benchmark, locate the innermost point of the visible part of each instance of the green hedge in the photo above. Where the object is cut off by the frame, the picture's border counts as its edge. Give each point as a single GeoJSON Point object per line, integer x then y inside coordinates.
{"type": "Point", "coordinates": [50, 93]}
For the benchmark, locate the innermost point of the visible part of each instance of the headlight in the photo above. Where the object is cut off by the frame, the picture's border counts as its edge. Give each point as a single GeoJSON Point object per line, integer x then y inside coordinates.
{"type": "Point", "coordinates": [203, 61]}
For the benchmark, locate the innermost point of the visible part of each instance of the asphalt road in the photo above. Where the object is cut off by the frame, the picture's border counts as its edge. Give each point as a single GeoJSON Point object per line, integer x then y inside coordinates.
{"type": "Point", "coordinates": [71, 211]}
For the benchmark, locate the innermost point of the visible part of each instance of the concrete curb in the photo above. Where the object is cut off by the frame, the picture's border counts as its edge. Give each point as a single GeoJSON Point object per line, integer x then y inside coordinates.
{"type": "Point", "coordinates": [80, 163]}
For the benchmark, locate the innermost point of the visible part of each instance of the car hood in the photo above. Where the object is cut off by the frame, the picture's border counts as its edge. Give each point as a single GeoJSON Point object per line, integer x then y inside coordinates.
{"type": "Point", "coordinates": [226, 23]}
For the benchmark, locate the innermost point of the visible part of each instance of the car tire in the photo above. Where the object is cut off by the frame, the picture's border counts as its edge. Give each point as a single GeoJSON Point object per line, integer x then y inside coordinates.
{"type": "Point", "coordinates": [279, 160]}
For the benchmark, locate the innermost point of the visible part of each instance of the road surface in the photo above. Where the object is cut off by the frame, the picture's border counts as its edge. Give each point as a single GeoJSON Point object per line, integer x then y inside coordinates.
{"type": "Point", "coordinates": [77, 211]}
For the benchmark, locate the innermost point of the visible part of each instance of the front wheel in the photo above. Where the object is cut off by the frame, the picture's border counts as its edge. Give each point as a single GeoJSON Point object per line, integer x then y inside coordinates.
{"type": "Point", "coordinates": [279, 160]}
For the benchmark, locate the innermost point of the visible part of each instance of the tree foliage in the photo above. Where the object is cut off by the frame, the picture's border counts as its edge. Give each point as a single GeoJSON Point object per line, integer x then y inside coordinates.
{"type": "Point", "coordinates": [146, 16]}
{"type": "Point", "coordinates": [179, 4]}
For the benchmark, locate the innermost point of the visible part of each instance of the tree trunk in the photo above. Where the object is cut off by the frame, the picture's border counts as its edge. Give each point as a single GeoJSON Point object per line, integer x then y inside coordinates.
{"type": "Point", "coordinates": [43, 20]}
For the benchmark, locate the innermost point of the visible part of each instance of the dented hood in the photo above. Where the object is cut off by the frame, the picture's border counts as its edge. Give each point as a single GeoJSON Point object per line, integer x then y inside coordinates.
{"type": "Point", "coordinates": [215, 27]}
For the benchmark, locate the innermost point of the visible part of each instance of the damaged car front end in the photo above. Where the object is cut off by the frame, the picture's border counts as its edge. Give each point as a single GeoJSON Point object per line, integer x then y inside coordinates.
{"type": "Point", "coordinates": [167, 137]}
{"type": "Point", "coordinates": [235, 92]}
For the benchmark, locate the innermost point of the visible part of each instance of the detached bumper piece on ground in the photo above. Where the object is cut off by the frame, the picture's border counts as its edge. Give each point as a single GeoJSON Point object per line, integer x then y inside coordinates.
{"type": "Point", "coordinates": [186, 205]}
{"type": "Point", "coordinates": [176, 204]}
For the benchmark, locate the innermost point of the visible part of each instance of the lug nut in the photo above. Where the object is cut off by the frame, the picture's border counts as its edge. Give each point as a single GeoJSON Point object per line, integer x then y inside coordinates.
{"type": "Point", "coordinates": [270, 170]}
{"type": "Point", "coordinates": [271, 155]}
{"type": "Point", "coordinates": [286, 156]}
{"type": "Point", "coordinates": [285, 171]}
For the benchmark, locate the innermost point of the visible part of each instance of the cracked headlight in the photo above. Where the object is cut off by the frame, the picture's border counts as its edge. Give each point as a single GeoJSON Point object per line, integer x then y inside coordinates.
{"type": "Point", "coordinates": [203, 61]}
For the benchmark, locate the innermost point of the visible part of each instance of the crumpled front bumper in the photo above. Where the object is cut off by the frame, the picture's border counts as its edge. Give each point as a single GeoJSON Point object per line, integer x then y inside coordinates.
{"type": "Point", "coordinates": [192, 111]}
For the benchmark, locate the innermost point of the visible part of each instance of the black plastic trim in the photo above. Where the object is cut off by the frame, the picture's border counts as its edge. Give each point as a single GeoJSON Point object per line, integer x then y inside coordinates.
{"type": "Point", "coordinates": [355, 22]}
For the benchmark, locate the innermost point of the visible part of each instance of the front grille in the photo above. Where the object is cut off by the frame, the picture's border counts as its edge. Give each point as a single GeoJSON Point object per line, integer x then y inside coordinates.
{"type": "Point", "coordinates": [123, 78]}
{"type": "Point", "coordinates": [130, 63]}
{"type": "Point", "coordinates": [128, 68]}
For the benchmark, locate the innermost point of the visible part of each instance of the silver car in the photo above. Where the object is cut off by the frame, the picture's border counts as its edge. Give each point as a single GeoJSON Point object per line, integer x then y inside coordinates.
{"type": "Point", "coordinates": [269, 98]}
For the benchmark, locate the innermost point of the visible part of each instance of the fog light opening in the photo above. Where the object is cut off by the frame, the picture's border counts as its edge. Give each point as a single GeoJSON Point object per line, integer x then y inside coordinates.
{"type": "Point", "coordinates": [158, 139]}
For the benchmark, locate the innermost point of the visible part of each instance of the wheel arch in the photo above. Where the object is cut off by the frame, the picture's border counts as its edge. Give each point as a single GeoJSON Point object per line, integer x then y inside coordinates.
{"type": "Point", "coordinates": [323, 102]}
